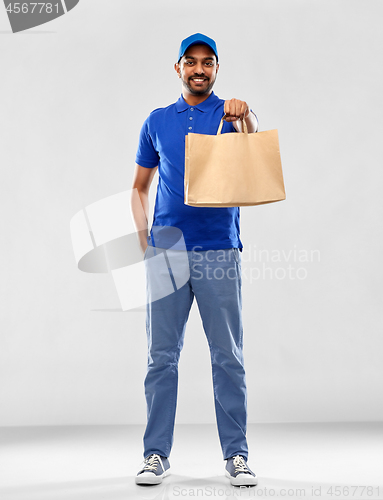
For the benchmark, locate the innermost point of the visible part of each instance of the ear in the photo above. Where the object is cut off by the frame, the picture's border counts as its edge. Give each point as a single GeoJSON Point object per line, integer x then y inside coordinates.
{"type": "Point", "coordinates": [178, 69]}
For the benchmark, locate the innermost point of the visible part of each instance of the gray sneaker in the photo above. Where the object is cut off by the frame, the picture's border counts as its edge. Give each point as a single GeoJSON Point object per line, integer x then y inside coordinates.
{"type": "Point", "coordinates": [239, 473]}
{"type": "Point", "coordinates": [155, 468]}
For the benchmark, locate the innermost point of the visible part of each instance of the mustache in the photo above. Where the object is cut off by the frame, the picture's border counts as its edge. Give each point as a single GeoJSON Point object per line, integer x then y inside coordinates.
{"type": "Point", "coordinates": [198, 76]}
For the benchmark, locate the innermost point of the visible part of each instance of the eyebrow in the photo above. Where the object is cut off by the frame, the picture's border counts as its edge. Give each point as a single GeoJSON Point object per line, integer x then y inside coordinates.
{"type": "Point", "coordinates": [204, 58]}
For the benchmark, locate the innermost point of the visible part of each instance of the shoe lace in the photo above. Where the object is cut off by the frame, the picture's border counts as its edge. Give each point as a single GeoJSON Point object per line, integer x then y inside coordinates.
{"type": "Point", "coordinates": [151, 463]}
{"type": "Point", "coordinates": [240, 464]}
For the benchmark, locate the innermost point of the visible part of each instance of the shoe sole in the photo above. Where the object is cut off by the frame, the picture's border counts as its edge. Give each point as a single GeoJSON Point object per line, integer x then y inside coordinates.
{"type": "Point", "coordinates": [242, 479]}
{"type": "Point", "coordinates": [150, 478]}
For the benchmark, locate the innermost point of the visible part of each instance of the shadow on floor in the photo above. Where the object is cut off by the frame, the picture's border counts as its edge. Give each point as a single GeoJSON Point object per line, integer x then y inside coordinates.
{"type": "Point", "coordinates": [176, 486]}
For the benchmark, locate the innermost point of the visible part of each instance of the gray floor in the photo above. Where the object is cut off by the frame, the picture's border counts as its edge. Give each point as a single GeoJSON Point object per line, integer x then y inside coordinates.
{"type": "Point", "coordinates": [332, 461]}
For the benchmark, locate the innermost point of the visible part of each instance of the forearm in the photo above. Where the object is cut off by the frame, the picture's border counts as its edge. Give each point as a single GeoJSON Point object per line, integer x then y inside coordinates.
{"type": "Point", "coordinates": [251, 122]}
{"type": "Point", "coordinates": [140, 211]}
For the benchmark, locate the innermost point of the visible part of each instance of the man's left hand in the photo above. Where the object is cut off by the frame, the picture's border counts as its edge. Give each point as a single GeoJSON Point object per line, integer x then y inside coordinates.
{"type": "Point", "coordinates": [235, 110]}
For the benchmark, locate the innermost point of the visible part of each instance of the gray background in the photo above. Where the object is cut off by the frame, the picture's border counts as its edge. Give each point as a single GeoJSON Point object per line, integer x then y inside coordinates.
{"type": "Point", "coordinates": [74, 94]}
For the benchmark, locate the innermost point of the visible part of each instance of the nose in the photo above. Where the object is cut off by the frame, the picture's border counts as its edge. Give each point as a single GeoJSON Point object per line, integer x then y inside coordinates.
{"type": "Point", "coordinates": [199, 68]}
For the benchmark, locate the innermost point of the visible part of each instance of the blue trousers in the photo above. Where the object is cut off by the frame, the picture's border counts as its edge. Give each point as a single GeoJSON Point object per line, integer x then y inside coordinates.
{"type": "Point", "coordinates": [215, 282]}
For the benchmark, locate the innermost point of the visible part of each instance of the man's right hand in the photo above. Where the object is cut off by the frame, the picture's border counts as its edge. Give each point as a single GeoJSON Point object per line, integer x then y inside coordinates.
{"type": "Point", "coordinates": [143, 239]}
{"type": "Point", "coordinates": [140, 203]}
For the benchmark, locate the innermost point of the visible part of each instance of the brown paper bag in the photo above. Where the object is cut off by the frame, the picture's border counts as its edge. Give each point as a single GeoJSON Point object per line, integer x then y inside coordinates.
{"type": "Point", "coordinates": [232, 170]}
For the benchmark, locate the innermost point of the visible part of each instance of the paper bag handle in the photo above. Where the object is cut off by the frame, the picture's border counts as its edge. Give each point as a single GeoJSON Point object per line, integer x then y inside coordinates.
{"type": "Point", "coordinates": [244, 126]}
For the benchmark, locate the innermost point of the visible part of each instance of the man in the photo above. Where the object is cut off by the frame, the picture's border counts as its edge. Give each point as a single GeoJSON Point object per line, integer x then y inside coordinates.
{"type": "Point", "coordinates": [212, 241]}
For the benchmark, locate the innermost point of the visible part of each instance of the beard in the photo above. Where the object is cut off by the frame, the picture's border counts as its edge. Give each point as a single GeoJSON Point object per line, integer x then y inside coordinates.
{"type": "Point", "coordinates": [194, 91]}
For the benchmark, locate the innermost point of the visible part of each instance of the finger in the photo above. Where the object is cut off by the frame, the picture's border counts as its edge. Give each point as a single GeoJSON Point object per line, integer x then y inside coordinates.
{"type": "Point", "coordinates": [235, 109]}
{"type": "Point", "coordinates": [243, 109]}
{"type": "Point", "coordinates": [238, 109]}
{"type": "Point", "coordinates": [227, 107]}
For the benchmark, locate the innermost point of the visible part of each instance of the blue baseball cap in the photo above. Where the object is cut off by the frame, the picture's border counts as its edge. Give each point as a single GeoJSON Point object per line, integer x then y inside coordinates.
{"type": "Point", "coordinates": [197, 39]}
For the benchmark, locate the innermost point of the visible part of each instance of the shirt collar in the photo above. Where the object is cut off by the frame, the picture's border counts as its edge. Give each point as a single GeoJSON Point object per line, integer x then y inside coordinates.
{"type": "Point", "coordinates": [204, 106]}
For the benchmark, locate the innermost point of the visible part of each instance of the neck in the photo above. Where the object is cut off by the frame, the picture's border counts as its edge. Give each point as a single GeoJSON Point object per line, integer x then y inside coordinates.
{"type": "Point", "coordinates": [194, 100]}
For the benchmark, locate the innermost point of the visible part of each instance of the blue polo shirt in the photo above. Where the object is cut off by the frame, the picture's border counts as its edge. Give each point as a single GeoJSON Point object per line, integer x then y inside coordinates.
{"type": "Point", "coordinates": [162, 143]}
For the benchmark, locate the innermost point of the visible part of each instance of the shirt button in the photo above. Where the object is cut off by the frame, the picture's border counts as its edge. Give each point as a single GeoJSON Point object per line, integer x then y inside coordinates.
{"type": "Point", "coordinates": [190, 128]}
{"type": "Point", "coordinates": [190, 117]}
{"type": "Point", "coordinates": [191, 109]}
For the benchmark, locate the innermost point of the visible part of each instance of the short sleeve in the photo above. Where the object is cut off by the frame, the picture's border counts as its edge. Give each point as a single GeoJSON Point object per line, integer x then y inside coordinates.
{"type": "Point", "coordinates": [147, 155]}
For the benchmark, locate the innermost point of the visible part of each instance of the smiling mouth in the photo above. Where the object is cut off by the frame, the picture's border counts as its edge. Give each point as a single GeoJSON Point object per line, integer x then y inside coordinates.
{"type": "Point", "coordinates": [199, 80]}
